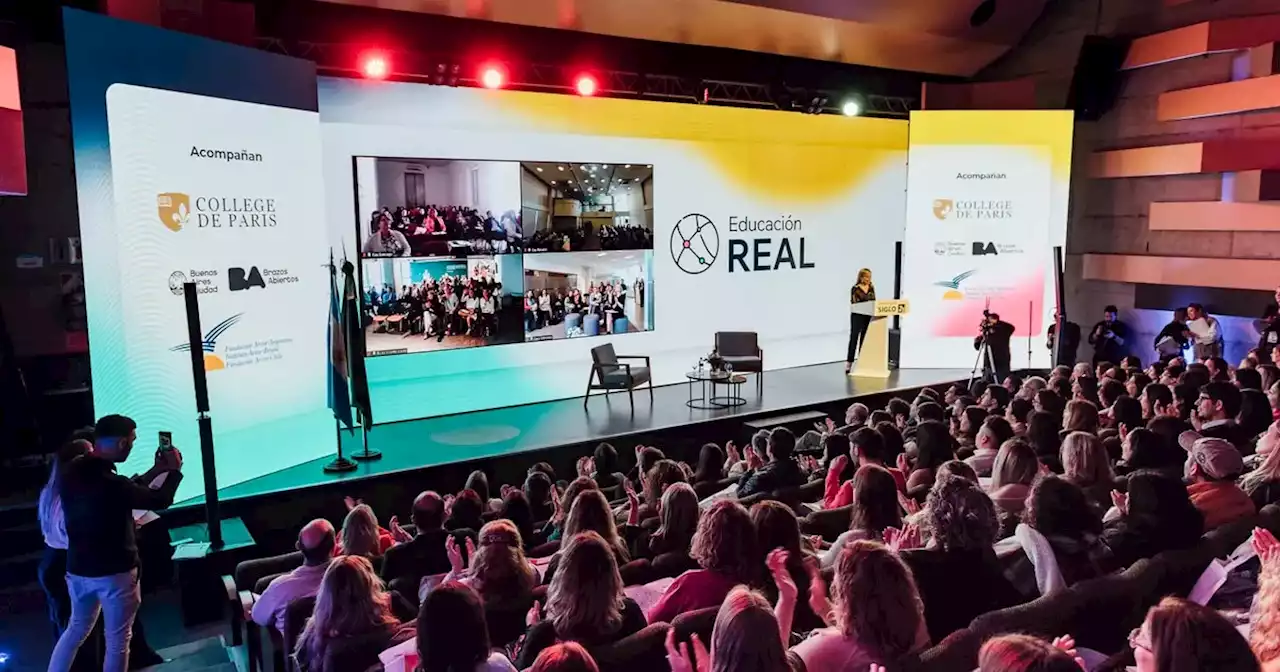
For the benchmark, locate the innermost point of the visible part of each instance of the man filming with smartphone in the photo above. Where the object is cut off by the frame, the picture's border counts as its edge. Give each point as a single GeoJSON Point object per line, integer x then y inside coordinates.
{"type": "Point", "coordinates": [102, 550]}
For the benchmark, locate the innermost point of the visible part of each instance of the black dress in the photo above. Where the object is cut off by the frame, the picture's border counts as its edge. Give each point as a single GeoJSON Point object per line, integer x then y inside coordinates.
{"type": "Point", "coordinates": [858, 323]}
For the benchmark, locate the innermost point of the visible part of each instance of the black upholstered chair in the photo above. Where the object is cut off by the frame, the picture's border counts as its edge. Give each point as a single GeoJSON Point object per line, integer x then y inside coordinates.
{"type": "Point", "coordinates": [609, 374]}
{"type": "Point", "coordinates": [741, 350]}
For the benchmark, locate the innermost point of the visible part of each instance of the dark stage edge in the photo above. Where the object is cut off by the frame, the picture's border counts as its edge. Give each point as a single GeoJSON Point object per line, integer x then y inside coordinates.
{"type": "Point", "coordinates": [430, 442]}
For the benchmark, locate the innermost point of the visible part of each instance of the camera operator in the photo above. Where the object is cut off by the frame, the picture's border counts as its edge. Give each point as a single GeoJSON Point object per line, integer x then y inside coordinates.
{"type": "Point", "coordinates": [995, 334]}
{"type": "Point", "coordinates": [102, 550]}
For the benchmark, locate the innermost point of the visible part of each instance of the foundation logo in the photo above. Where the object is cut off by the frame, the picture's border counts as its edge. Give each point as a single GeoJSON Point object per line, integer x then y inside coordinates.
{"type": "Point", "coordinates": [942, 207]}
{"type": "Point", "coordinates": [209, 344]}
{"type": "Point", "coordinates": [950, 249]}
{"type": "Point", "coordinates": [695, 243]}
{"type": "Point", "coordinates": [174, 209]}
{"type": "Point", "coordinates": [952, 287]}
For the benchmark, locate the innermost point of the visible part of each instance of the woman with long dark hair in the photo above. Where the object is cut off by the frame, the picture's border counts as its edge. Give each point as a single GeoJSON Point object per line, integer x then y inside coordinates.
{"type": "Point", "coordinates": [875, 509]}
{"type": "Point", "coordinates": [862, 290]}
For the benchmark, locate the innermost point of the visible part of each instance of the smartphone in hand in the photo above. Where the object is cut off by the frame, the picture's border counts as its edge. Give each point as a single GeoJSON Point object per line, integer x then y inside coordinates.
{"type": "Point", "coordinates": [166, 441]}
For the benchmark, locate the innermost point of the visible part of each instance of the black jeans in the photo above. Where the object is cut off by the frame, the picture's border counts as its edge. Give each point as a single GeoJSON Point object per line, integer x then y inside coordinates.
{"type": "Point", "coordinates": [857, 332]}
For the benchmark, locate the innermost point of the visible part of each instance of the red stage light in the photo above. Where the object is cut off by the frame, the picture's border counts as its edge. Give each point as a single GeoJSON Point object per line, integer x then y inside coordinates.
{"type": "Point", "coordinates": [586, 85]}
{"type": "Point", "coordinates": [375, 66]}
{"type": "Point", "coordinates": [493, 77]}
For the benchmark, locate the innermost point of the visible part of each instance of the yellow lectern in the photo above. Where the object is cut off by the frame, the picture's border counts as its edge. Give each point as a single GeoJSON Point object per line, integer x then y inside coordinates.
{"type": "Point", "coordinates": [873, 357]}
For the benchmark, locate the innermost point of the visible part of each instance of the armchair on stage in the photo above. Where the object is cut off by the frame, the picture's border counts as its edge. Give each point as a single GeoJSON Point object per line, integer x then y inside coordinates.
{"type": "Point", "coordinates": [608, 374]}
{"type": "Point", "coordinates": [741, 350]}
{"type": "Point", "coordinates": [873, 357]}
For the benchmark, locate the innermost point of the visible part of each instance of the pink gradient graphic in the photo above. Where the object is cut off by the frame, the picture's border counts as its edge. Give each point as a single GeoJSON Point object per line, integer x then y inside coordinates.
{"type": "Point", "coordinates": [961, 317]}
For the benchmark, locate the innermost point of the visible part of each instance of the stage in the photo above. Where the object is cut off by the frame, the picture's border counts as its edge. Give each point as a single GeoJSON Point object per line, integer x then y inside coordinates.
{"type": "Point", "coordinates": [457, 443]}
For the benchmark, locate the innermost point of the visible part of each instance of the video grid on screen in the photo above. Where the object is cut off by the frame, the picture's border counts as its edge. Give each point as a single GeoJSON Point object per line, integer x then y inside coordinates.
{"type": "Point", "coordinates": [467, 253]}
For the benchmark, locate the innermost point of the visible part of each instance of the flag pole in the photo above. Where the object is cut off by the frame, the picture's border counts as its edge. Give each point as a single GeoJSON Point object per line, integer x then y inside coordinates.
{"type": "Point", "coordinates": [339, 464]}
{"type": "Point", "coordinates": [353, 327]}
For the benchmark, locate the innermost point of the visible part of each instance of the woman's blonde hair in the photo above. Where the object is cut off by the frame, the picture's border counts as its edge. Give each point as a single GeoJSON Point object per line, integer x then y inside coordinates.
{"type": "Point", "coordinates": [1084, 459]}
{"type": "Point", "coordinates": [745, 635]}
{"type": "Point", "coordinates": [500, 571]}
{"type": "Point", "coordinates": [350, 602]}
{"type": "Point", "coordinates": [1264, 637]}
{"type": "Point", "coordinates": [590, 512]}
{"type": "Point", "coordinates": [1080, 416]}
{"type": "Point", "coordinates": [876, 602]}
{"type": "Point", "coordinates": [360, 532]}
{"type": "Point", "coordinates": [1269, 470]}
{"type": "Point", "coordinates": [1015, 463]}
{"type": "Point", "coordinates": [679, 516]}
{"type": "Point", "coordinates": [585, 599]}
{"type": "Point", "coordinates": [862, 272]}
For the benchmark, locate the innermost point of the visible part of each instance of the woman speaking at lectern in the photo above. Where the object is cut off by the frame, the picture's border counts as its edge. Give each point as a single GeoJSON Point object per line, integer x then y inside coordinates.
{"type": "Point", "coordinates": [862, 290]}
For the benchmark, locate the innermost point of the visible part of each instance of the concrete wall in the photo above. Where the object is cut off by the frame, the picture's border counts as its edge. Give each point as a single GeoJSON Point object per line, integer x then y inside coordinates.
{"type": "Point", "coordinates": [1110, 216]}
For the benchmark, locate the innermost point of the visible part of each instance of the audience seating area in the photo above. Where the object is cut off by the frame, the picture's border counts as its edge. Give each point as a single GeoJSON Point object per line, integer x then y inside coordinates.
{"type": "Point", "coordinates": [1094, 479]}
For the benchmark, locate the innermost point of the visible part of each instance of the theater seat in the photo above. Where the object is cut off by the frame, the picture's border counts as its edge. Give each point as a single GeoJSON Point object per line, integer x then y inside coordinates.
{"type": "Point", "coordinates": [707, 488]}
{"type": "Point", "coordinates": [637, 572]}
{"type": "Point", "coordinates": [642, 652]}
{"type": "Point", "coordinates": [698, 621]}
{"type": "Point", "coordinates": [670, 565]}
{"type": "Point", "coordinates": [295, 619]}
{"type": "Point", "coordinates": [829, 523]}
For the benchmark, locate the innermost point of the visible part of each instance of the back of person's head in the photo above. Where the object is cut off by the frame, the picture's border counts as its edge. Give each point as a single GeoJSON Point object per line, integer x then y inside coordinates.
{"type": "Point", "coordinates": [776, 526]}
{"type": "Point", "coordinates": [1080, 416]}
{"type": "Point", "coordinates": [1127, 411]}
{"type": "Point", "coordinates": [1023, 653]}
{"type": "Point", "coordinates": [1016, 464]}
{"type": "Point", "coordinates": [781, 443]}
{"type": "Point", "coordinates": [499, 570]}
{"type": "Point", "coordinates": [360, 532]}
{"type": "Point", "coordinates": [564, 657]}
{"type": "Point", "coordinates": [959, 469]}
{"type": "Point", "coordinates": [537, 488]}
{"type": "Point", "coordinates": [1156, 499]}
{"type": "Point", "coordinates": [480, 483]}
{"type": "Point", "coordinates": [1270, 375]}
{"type": "Point", "coordinates": [585, 598]}
{"type": "Point", "coordinates": [1084, 460]}
{"type": "Point", "coordinates": [662, 474]}
{"type": "Point", "coordinates": [350, 601]}
{"type": "Point", "coordinates": [679, 516]}
{"type": "Point", "coordinates": [546, 468]}
{"type": "Point", "coordinates": [994, 432]}
{"type": "Point", "coordinates": [971, 420]}
{"type": "Point", "coordinates": [316, 541]}
{"type": "Point", "coordinates": [1062, 387]}
{"type": "Point", "coordinates": [960, 516]}
{"type": "Point", "coordinates": [428, 511]}
{"type": "Point", "coordinates": [899, 409]}
{"type": "Point", "coordinates": [726, 542]}
{"type": "Point", "coordinates": [1145, 449]}
{"type": "Point", "coordinates": [571, 492]}
{"type": "Point", "coordinates": [1186, 395]}
{"type": "Point", "coordinates": [1050, 402]}
{"type": "Point", "coordinates": [857, 414]}
{"type": "Point", "coordinates": [50, 495]}
{"type": "Point", "coordinates": [1255, 412]}
{"type": "Point", "coordinates": [809, 441]}
{"type": "Point", "coordinates": [875, 501]}
{"type": "Point", "coordinates": [745, 635]}
{"type": "Point", "coordinates": [933, 445]}
{"type": "Point", "coordinates": [931, 411]}
{"type": "Point", "coordinates": [1248, 379]}
{"type": "Point", "coordinates": [467, 509]}
{"type": "Point", "coordinates": [875, 600]}
{"type": "Point", "coordinates": [1197, 375]}
{"type": "Point", "coordinates": [710, 463]}
{"type": "Point", "coordinates": [649, 456]}
{"type": "Point", "coordinates": [515, 508]}
{"type": "Point", "coordinates": [760, 442]}
{"type": "Point", "coordinates": [1110, 390]}
{"type": "Point", "coordinates": [893, 442]}
{"type": "Point", "coordinates": [1168, 428]}
{"type": "Point", "coordinates": [1059, 508]}
{"type": "Point", "coordinates": [1184, 635]}
{"type": "Point", "coordinates": [590, 512]}
{"type": "Point", "coordinates": [1042, 433]}
{"type": "Point", "coordinates": [1019, 410]}
{"type": "Point", "coordinates": [879, 416]}
{"type": "Point", "coordinates": [868, 443]}
{"type": "Point", "coordinates": [453, 635]}
{"type": "Point", "coordinates": [606, 458]}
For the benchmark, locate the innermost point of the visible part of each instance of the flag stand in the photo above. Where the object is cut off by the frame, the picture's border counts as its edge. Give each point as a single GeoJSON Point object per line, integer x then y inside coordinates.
{"type": "Point", "coordinates": [340, 464]}
{"type": "Point", "coordinates": [339, 361]}
{"type": "Point", "coordinates": [367, 455]}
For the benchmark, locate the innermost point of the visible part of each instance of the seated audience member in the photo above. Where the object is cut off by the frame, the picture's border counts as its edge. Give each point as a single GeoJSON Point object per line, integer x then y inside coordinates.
{"type": "Point", "coordinates": [726, 552]}
{"type": "Point", "coordinates": [1059, 538]}
{"type": "Point", "coordinates": [1024, 653]}
{"type": "Point", "coordinates": [1018, 414]}
{"type": "Point", "coordinates": [678, 513]}
{"type": "Point", "coordinates": [1085, 463]}
{"type": "Point", "coordinates": [352, 622]}
{"type": "Point", "coordinates": [499, 571]}
{"type": "Point", "coordinates": [894, 444]}
{"type": "Point", "coordinates": [966, 426]}
{"type": "Point", "coordinates": [1136, 384]}
{"type": "Point", "coordinates": [1157, 400]}
{"type": "Point", "coordinates": [1154, 515]}
{"type": "Point", "coordinates": [745, 637]}
{"type": "Point", "coordinates": [1264, 635]}
{"type": "Point", "coordinates": [1080, 416]}
{"type": "Point", "coordinates": [566, 657]}
{"type": "Point", "coordinates": [1247, 379]}
{"type": "Point", "coordinates": [585, 602]}
{"type": "Point", "coordinates": [1048, 401]}
{"type": "Point", "coordinates": [933, 448]}
{"type": "Point", "coordinates": [424, 554]}
{"type": "Point", "coordinates": [1182, 635]}
{"type": "Point", "coordinates": [994, 432]}
{"type": "Point", "coordinates": [555, 527]}
{"type": "Point", "coordinates": [515, 508]}
{"type": "Point", "coordinates": [1263, 483]}
{"type": "Point", "coordinates": [994, 398]}
{"type": "Point", "coordinates": [866, 446]}
{"type": "Point", "coordinates": [781, 471]}
{"type": "Point", "coordinates": [1085, 389]}
{"type": "Point", "coordinates": [453, 635]}
{"type": "Point", "coordinates": [958, 469]}
{"type": "Point", "coordinates": [1216, 409]}
{"type": "Point", "coordinates": [962, 525]}
{"type": "Point", "coordinates": [1144, 449]}
{"type": "Point", "coordinates": [1254, 418]}
{"type": "Point", "coordinates": [777, 528]}
{"type": "Point", "coordinates": [537, 490]}
{"type": "Point", "coordinates": [875, 615]}
{"type": "Point", "coordinates": [361, 534]}
{"type": "Point", "coordinates": [855, 416]}
{"type": "Point", "coordinates": [834, 445]}
{"type": "Point", "coordinates": [875, 509]}
{"type": "Point", "coordinates": [316, 541]}
{"type": "Point", "coordinates": [1126, 414]}
{"type": "Point", "coordinates": [477, 481]}
{"type": "Point", "coordinates": [1012, 475]}
{"type": "Point", "coordinates": [607, 473]}
{"type": "Point", "coordinates": [1043, 435]}
{"type": "Point", "coordinates": [590, 512]}
{"type": "Point", "coordinates": [1109, 391]}
{"type": "Point", "coordinates": [710, 465]}
{"type": "Point", "coordinates": [464, 512]}
{"type": "Point", "coordinates": [1211, 470]}
{"type": "Point", "coordinates": [646, 457]}
{"type": "Point", "coordinates": [660, 476]}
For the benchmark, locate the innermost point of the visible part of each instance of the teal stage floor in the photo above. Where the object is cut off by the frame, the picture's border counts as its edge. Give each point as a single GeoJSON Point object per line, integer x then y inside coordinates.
{"type": "Point", "coordinates": [429, 442]}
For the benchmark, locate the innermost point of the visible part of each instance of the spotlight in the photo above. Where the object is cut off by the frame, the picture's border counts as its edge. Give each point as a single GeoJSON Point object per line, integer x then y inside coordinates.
{"type": "Point", "coordinates": [586, 85]}
{"type": "Point", "coordinates": [375, 65]}
{"type": "Point", "coordinates": [493, 77]}
{"type": "Point", "coordinates": [851, 108]}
